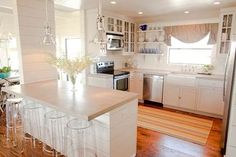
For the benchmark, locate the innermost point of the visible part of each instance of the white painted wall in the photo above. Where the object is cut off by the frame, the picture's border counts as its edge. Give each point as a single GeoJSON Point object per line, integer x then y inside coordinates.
{"type": "Point", "coordinates": [68, 25]}
{"type": "Point", "coordinates": [30, 21]}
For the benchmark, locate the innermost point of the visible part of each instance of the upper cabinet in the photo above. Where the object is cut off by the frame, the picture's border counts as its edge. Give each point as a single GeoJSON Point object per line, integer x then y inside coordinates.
{"type": "Point", "coordinates": [114, 25]}
{"type": "Point", "coordinates": [129, 37]}
{"type": "Point", "coordinates": [226, 29]}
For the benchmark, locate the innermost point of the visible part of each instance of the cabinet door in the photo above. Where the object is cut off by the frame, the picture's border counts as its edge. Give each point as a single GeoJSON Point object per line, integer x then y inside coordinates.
{"type": "Point", "coordinates": [119, 26]}
{"type": "Point", "coordinates": [126, 36]}
{"type": "Point", "coordinates": [210, 100]}
{"type": "Point", "coordinates": [136, 84]}
{"type": "Point", "coordinates": [234, 24]}
{"type": "Point", "coordinates": [110, 24]}
{"type": "Point", "coordinates": [188, 98]}
{"type": "Point", "coordinates": [171, 95]}
{"type": "Point", "coordinates": [132, 37]}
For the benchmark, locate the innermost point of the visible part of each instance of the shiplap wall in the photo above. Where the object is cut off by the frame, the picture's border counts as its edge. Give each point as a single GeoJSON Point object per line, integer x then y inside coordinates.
{"type": "Point", "coordinates": [32, 53]}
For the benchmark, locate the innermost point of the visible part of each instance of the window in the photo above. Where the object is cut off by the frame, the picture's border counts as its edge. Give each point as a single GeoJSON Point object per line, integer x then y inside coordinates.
{"type": "Point", "coordinates": [9, 54]}
{"type": "Point", "coordinates": [73, 48]}
{"type": "Point", "coordinates": [190, 53]}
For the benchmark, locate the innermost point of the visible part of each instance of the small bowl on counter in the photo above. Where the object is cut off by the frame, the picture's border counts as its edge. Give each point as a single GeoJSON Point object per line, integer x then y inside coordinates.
{"type": "Point", "coordinates": [4, 75]}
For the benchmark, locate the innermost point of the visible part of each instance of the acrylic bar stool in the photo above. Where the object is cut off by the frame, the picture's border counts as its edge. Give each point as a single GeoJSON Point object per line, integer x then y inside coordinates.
{"type": "Point", "coordinates": [55, 123]}
{"type": "Point", "coordinates": [80, 140]}
{"type": "Point", "coordinates": [13, 117]}
{"type": "Point", "coordinates": [32, 121]}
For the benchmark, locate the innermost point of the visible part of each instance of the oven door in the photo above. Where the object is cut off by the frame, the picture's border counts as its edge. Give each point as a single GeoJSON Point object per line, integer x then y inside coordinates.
{"type": "Point", "coordinates": [115, 43]}
{"type": "Point", "coordinates": [121, 83]}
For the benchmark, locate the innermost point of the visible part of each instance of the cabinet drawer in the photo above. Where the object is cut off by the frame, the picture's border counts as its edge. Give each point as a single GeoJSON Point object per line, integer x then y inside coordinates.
{"type": "Point", "coordinates": [181, 80]}
{"type": "Point", "coordinates": [209, 83]}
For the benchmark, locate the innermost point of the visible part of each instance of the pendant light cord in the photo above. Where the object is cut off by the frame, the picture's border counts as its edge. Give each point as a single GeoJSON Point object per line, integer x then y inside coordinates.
{"type": "Point", "coordinates": [46, 7]}
{"type": "Point", "coordinates": [100, 7]}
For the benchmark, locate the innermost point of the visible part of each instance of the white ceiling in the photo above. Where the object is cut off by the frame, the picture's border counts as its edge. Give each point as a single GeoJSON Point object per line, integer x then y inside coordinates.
{"type": "Point", "coordinates": [130, 8]}
{"type": "Point", "coordinates": [161, 7]}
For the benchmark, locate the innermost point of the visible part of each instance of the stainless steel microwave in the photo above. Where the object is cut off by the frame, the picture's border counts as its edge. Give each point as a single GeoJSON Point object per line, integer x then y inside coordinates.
{"type": "Point", "coordinates": [115, 42]}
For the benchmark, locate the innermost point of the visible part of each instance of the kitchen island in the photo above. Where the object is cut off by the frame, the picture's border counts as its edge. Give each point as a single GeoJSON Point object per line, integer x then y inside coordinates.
{"type": "Point", "coordinates": [113, 112]}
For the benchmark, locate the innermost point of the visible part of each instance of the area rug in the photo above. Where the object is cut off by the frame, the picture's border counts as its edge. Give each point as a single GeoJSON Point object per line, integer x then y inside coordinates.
{"type": "Point", "coordinates": [179, 125]}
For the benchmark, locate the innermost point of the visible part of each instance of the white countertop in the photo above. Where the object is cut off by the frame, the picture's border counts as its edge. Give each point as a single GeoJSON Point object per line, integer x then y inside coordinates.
{"type": "Point", "coordinates": [165, 72]}
{"type": "Point", "coordinates": [87, 102]}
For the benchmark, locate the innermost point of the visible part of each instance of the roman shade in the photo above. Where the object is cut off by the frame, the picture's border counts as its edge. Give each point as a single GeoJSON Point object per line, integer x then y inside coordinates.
{"type": "Point", "coordinates": [191, 33]}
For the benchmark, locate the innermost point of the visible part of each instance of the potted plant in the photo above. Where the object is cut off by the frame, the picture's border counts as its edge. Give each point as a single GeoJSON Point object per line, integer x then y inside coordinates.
{"type": "Point", "coordinates": [5, 72]}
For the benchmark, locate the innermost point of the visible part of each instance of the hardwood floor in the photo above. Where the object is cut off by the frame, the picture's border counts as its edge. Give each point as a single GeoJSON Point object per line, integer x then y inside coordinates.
{"type": "Point", "coordinates": [150, 144]}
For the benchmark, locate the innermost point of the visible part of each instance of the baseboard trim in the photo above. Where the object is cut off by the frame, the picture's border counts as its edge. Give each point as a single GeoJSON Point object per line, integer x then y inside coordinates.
{"type": "Point", "coordinates": [192, 111]}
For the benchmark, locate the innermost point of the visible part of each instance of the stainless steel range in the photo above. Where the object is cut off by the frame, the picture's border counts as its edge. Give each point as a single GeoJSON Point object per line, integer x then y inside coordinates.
{"type": "Point", "coordinates": [120, 78]}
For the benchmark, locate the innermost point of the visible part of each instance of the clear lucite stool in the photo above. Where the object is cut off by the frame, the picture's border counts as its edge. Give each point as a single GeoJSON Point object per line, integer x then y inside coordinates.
{"type": "Point", "coordinates": [13, 117]}
{"type": "Point", "coordinates": [80, 139]}
{"type": "Point", "coordinates": [32, 122]}
{"type": "Point", "coordinates": [55, 123]}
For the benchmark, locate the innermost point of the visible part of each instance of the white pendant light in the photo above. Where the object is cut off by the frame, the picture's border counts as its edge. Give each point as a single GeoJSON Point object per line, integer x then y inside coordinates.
{"type": "Point", "coordinates": [100, 37]}
{"type": "Point", "coordinates": [48, 38]}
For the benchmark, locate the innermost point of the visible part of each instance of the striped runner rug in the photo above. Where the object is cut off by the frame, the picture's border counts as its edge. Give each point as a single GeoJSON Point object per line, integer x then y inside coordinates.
{"type": "Point", "coordinates": [182, 126]}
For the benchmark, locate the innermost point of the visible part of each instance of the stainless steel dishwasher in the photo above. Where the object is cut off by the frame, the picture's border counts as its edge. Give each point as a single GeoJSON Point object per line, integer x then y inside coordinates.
{"type": "Point", "coordinates": [153, 88]}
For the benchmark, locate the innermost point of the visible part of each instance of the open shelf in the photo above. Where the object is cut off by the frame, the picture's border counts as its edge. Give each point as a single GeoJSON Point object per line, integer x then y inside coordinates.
{"type": "Point", "coordinates": [151, 42]}
{"type": "Point", "coordinates": [154, 54]}
{"type": "Point", "coordinates": [149, 31]}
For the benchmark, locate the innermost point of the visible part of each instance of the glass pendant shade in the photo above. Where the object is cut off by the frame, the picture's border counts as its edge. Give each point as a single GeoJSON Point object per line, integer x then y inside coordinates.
{"type": "Point", "coordinates": [100, 36]}
{"type": "Point", "coordinates": [48, 38]}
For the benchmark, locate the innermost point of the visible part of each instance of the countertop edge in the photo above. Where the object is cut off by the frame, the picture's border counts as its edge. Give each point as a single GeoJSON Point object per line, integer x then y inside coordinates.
{"type": "Point", "coordinates": [4, 89]}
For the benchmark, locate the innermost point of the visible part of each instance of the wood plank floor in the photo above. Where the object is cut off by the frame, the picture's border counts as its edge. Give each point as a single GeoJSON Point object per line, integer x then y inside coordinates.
{"type": "Point", "coordinates": [150, 144]}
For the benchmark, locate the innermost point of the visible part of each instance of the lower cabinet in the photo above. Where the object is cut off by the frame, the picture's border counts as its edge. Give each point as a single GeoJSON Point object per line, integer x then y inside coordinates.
{"type": "Point", "coordinates": [136, 84]}
{"type": "Point", "coordinates": [188, 98]}
{"type": "Point", "coordinates": [210, 100]}
{"type": "Point", "coordinates": [205, 96]}
{"type": "Point", "coordinates": [171, 95]}
{"type": "Point", "coordinates": [180, 96]}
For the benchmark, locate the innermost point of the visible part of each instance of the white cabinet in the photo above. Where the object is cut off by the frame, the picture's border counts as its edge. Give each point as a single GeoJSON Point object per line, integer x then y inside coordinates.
{"type": "Point", "coordinates": [129, 37]}
{"type": "Point", "coordinates": [114, 25]}
{"type": "Point", "coordinates": [171, 95]}
{"type": "Point", "coordinates": [136, 84]}
{"type": "Point", "coordinates": [180, 92]}
{"type": "Point", "coordinates": [226, 29]}
{"type": "Point", "coordinates": [201, 95]}
{"type": "Point", "coordinates": [188, 98]}
{"type": "Point", "coordinates": [210, 96]}
{"type": "Point", "coordinates": [180, 96]}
